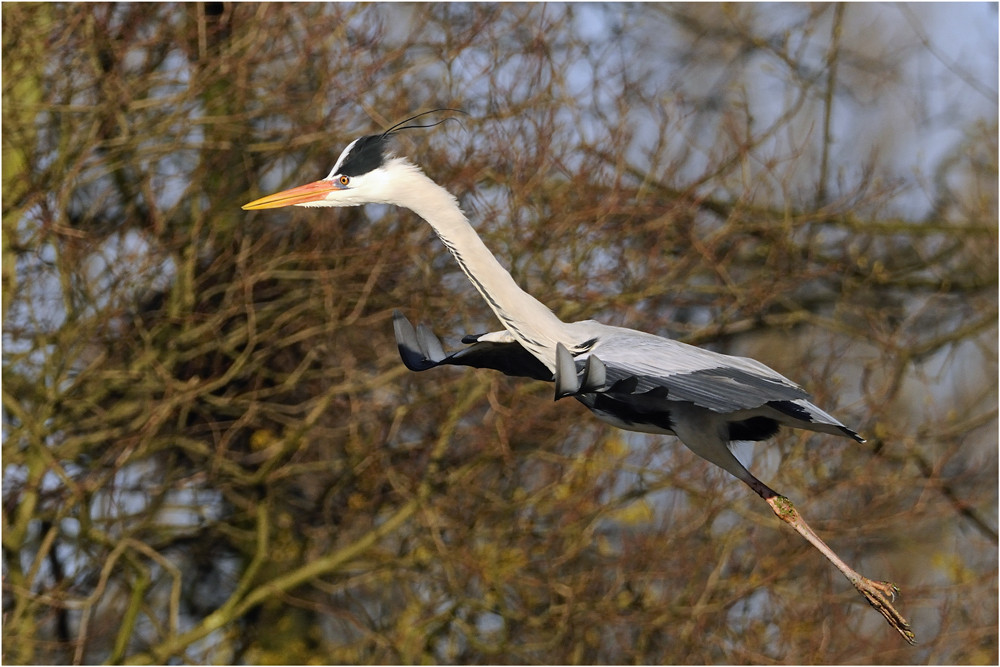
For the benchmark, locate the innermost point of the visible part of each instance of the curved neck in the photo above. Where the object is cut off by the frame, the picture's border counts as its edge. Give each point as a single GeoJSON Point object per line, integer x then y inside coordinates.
{"type": "Point", "coordinates": [524, 316]}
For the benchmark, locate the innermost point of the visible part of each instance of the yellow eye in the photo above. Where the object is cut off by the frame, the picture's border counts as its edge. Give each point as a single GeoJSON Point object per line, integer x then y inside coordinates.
{"type": "Point", "coordinates": [344, 180]}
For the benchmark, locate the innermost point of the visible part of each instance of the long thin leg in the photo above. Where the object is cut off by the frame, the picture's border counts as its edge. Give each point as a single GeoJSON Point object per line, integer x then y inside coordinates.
{"type": "Point", "coordinates": [705, 433]}
{"type": "Point", "coordinates": [880, 594]}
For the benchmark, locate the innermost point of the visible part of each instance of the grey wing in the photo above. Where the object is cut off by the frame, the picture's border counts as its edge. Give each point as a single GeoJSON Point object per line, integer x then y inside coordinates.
{"type": "Point", "coordinates": [726, 391]}
{"type": "Point", "coordinates": [636, 363]}
{"type": "Point", "coordinates": [420, 350]}
{"type": "Point", "coordinates": [642, 378]}
{"type": "Point", "coordinates": [720, 389]}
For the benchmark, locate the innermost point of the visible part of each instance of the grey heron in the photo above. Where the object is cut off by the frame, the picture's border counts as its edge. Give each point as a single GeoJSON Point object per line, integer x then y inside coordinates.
{"type": "Point", "coordinates": [633, 380]}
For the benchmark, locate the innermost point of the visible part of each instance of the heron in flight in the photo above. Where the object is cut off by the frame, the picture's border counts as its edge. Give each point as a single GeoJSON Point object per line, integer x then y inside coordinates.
{"type": "Point", "coordinates": [633, 380]}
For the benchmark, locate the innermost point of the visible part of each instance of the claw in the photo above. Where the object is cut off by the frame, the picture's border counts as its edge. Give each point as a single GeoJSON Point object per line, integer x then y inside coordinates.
{"type": "Point", "coordinates": [881, 595]}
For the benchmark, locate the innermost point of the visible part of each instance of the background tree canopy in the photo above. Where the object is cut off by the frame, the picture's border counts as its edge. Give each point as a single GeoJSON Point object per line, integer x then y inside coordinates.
{"type": "Point", "coordinates": [212, 452]}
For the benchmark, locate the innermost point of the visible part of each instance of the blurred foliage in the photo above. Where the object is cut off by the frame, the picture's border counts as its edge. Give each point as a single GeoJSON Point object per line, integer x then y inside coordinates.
{"type": "Point", "coordinates": [212, 452]}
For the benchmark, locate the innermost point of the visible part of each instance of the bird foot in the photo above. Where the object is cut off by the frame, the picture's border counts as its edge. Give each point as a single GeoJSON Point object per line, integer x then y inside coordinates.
{"type": "Point", "coordinates": [880, 595]}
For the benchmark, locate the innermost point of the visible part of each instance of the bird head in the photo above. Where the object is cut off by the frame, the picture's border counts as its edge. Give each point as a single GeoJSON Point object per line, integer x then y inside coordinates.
{"type": "Point", "coordinates": [359, 177]}
{"type": "Point", "coordinates": [365, 173]}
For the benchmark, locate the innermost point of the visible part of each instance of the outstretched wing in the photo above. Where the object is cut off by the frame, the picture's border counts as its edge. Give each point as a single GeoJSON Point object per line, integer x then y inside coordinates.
{"type": "Point", "coordinates": [420, 350]}
{"type": "Point", "coordinates": [640, 374]}
{"type": "Point", "coordinates": [639, 363]}
{"type": "Point", "coordinates": [630, 378]}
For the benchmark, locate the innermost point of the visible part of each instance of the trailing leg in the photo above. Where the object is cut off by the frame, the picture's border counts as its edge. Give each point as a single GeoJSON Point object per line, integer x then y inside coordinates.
{"type": "Point", "coordinates": [879, 594]}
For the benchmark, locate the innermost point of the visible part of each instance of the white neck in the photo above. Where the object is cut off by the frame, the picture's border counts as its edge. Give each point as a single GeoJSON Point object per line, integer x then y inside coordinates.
{"type": "Point", "coordinates": [524, 316]}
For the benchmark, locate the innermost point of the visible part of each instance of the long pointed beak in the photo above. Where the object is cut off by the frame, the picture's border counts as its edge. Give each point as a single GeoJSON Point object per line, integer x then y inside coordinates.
{"type": "Point", "coordinates": [300, 195]}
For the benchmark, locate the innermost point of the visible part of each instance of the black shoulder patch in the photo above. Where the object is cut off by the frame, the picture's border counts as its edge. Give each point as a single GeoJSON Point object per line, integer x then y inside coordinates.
{"type": "Point", "coordinates": [367, 154]}
{"type": "Point", "coordinates": [626, 412]}
{"type": "Point", "coordinates": [753, 429]}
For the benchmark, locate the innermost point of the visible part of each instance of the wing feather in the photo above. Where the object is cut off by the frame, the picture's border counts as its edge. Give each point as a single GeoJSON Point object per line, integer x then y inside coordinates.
{"type": "Point", "coordinates": [421, 350]}
{"type": "Point", "coordinates": [638, 363]}
{"type": "Point", "coordinates": [630, 378]}
{"type": "Point", "coordinates": [720, 389]}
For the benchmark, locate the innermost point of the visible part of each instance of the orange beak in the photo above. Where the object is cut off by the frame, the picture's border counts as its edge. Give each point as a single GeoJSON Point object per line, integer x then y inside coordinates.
{"type": "Point", "coordinates": [300, 195]}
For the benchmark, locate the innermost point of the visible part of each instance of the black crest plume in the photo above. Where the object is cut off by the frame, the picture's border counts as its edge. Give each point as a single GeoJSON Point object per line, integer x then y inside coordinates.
{"type": "Point", "coordinates": [368, 152]}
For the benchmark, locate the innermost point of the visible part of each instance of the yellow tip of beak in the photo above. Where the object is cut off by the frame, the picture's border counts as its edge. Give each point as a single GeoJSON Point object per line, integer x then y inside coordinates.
{"type": "Point", "coordinates": [304, 193]}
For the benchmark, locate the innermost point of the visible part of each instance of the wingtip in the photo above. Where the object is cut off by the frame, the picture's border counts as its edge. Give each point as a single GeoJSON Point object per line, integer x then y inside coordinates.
{"type": "Point", "coordinates": [851, 433]}
{"type": "Point", "coordinates": [402, 327]}
{"type": "Point", "coordinates": [410, 351]}
{"type": "Point", "coordinates": [566, 380]}
{"type": "Point", "coordinates": [595, 375]}
{"type": "Point", "coordinates": [430, 345]}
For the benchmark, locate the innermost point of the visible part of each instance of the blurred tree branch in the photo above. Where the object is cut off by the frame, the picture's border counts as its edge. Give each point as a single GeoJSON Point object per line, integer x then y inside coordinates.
{"type": "Point", "coordinates": [213, 454]}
